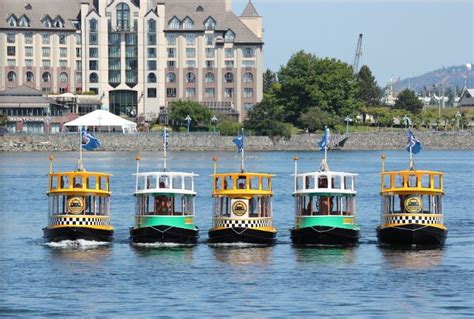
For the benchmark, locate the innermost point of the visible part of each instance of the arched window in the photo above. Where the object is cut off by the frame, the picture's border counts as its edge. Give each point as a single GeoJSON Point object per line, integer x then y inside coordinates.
{"type": "Point", "coordinates": [123, 16]}
{"type": "Point", "coordinates": [170, 77]}
{"type": "Point", "coordinates": [59, 22]}
{"type": "Point", "coordinates": [199, 9]}
{"type": "Point", "coordinates": [188, 23]}
{"type": "Point", "coordinates": [93, 25]}
{"type": "Point", "coordinates": [151, 25]}
{"type": "Point", "coordinates": [93, 77]}
{"type": "Point", "coordinates": [174, 23]}
{"type": "Point", "coordinates": [151, 78]}
{"type": "Point", "coordinates": [229, 36]}
{"type": "Point", "coordinates": [12, 21]}
{"type": "Point", "coordinates": [248, 77]}
{"type": "Point", "coordinates": [190, 77]}
{"type": "Point", "coordinates": [24, 21]}
{"type": "Point", "coordinates": [11, 76]}
{"type": "Point", "coordinates": [210, 24]}
{"type": "Point", "coordinates": [47, 22]}
{"type": "Point", "coordinates": [229, 77]}
{"type": "Point", "coordinates": [63, 77]}
{"type": "Point", "coordinates": [209, 77]}
{"type": "Point", "coordinates": [46, 77]}
{"type": "Point", "coordinates": [29, 77]}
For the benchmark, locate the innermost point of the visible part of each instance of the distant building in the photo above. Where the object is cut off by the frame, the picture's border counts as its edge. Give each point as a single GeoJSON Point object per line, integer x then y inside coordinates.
{"type": "Point", "coordinates": [136, 56]}
{"type": "Point", "coordinates": [467, 98]}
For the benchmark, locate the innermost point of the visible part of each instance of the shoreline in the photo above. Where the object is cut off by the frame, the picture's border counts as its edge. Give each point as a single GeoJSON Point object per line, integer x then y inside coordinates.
{"type": "Point", "coordinates": [111, 142]}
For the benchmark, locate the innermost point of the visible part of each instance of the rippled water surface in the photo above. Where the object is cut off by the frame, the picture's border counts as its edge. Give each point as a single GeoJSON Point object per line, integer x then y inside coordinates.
{"type": "Point", "coordinates": [83, 279]}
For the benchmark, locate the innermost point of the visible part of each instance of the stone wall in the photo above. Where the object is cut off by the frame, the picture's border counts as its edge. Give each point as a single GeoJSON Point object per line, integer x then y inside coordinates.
{"type": "Point", "coordinates": [213, 142]}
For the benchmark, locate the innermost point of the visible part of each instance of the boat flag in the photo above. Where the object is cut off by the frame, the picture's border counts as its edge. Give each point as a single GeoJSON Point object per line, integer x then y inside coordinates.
{"type": "Point", "coordinates": [88, 141]}
{"type": "Point", "coordinates": [239, 142]}
{"type": "Point", "coordinates": [165, 136]}
{"type": "Point", "coordinates": [324, 143]}
{"type": "Point", "coordinates": [414, 145]}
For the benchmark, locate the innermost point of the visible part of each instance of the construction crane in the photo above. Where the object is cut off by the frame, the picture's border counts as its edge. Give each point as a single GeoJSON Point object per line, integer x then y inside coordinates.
{"type": "Point", "coordinates": [358, 55]}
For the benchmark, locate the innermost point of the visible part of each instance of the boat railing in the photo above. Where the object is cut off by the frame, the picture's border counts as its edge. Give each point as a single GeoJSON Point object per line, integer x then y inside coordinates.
{"type": "Point", "coordinates": [427, 219]}
{"type": "Point", "coordinates": [325, 182]}
{"type": "Point", "coordinates": [242, 183]}
{"type": "Point", "coordinates": [162, 182]}
{"type": "Point", "coordinates": [79, 182]}
{"type": "Point", "coordinates": [412, 181]}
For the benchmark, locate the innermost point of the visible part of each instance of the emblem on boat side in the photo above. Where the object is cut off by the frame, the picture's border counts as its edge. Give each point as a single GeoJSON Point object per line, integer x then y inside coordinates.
{"type": "Point", "coordinates": [413, 204]}
{"type": "Point", "coordinates": [75, 205]}
{"type": "Point", "coordinates": [239, 208]}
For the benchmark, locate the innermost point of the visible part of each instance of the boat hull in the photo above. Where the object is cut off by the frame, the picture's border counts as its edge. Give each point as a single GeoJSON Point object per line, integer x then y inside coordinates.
{"type": "Point", "coordinates": [324, 235]}
{"type": "Point", "coordinates": [164, 234]}
{"type": "Point", "coordinates": [241, 235]}
{"type": "Point", "coordinates": [412, 234]}
{"type": "Point", "coordinates": [75, 233]}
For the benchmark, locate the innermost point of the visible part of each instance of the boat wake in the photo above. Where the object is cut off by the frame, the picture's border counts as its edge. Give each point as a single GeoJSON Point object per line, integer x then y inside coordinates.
{"type": "Point", "coordinates": [235, 245]}
{"type": "Point", "coordinates": [77, 244]}
{"type": "Point", "coordinates": [161, 245]}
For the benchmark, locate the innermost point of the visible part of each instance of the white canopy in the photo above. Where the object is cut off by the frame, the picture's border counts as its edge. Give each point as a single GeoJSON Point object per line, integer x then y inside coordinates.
{"type": "Point", "coordinates": [102, 118]}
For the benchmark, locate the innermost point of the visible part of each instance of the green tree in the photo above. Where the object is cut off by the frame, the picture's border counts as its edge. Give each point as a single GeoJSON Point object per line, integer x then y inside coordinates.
{"type": "Point", "coordinates": [3, 120]}
{"type": "Point", "coordinates": [200, 115]}
{"type": "Point", "coordinates": [407, 100]}
{"type": "Point", "coordinates": [315, 119]}
{"type": "Point", "coordinates": [269, 79]}
{"type": "Point", "coordinates": [369, 91]}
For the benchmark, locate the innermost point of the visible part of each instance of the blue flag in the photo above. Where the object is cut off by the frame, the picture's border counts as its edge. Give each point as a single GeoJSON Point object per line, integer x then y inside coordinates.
{"type": "Point", "coordinates": [324, 143]}
{"type": "Point", "coordinates": [413, 143]}
{"type": "Point", "coordinates": [165, 136]}
{"type": "Point", "coordinates": [239, 142]}
{"type": "Point", "coordinates": [89, 142]}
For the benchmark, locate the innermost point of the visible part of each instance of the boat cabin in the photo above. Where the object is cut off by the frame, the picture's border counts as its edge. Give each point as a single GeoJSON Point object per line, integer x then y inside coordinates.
{"type": "Point", "coordinates": [412, 192]}
{"type": "Point", "coordinates": [165, 194]}
{"type": "Point", "coordinates": [325, 193]}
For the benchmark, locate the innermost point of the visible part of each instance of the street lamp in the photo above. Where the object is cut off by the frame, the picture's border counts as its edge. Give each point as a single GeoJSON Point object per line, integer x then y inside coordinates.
{"type": "Point", "coordinates": [188, 119]}
{"type": "Point", "coordinates": [406, 120]}
{"type": "Point", "coordinates": [347, 119]}
{"type": "Point", "coordinates": [214, 122]}
{"type": "Point", "coordinates": [458, 117]}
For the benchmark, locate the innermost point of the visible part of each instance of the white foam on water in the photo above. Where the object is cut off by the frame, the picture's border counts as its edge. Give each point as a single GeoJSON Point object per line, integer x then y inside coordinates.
{"type": "Point", "coordinates": [77, 244]}
{"type": "Point", "coordinates": [236, 245]}
{"type": "Point", "coordinates": [161, 245]}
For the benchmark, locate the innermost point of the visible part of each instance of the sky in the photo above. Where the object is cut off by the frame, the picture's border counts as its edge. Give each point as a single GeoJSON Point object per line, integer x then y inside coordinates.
{"type": "Point", "coordinates": [401, 38]}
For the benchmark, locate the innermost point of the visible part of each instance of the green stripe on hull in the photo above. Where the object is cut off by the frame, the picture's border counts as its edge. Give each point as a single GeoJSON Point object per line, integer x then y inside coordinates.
{"type": "Point", "coordinates": [347, 222]}
{"type": "Point", "coordinates": [186, 222]}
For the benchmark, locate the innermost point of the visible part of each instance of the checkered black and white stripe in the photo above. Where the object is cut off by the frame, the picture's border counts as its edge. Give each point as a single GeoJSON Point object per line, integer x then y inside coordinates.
{"type": "Point", "coordinates": [242, 223]}
{"type": "Point", "coordinates": [78, 221]}
{"type": "Point", "coordinates": [408, 219]}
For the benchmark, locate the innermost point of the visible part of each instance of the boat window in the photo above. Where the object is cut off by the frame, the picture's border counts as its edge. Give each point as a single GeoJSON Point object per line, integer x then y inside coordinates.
{"type": "Point", "coordinates": [90, 182]}
{"type": "Point", "coordinates": [348, 182]}
{"type": "Point", "coordinates": [242, 182]}
{"type": "Point", "coordinates": [309, 182]}
{"type": "Point", "coordinates": [228, 182]}
{"type": "Point", "coordinates": [217, 184]}
{"type": "Point", "coordinates": [266, 206]}
{"type": "Point", "coordinates": [102, 183]}
{"type": "Point", "coordinates": [54, 182]}
{"type": "Point", "coordinates": [254, 182]}
{"type": "Point", "coordinates": [254, 204]}
{"type": "Point", "coordinates": [64, 182]}
{"type": "Point", "coordinates": [177, 205]}
{"type": "Point", "coordinates": [140, 182]}
{"type": "Point", "coordinates": [322, 182]}
{"type": "Point", "coordinates": [151, 182]}
{"type": "Point", "coordinates": [188, 183]}
{"type": "Point", "coordinates": [386, 181]}
{"type": "Point", "coordinates": [437, 181]}
{"type": "Point", "coordinates": [177, 184]}
{"type": "Point", "coordinates": [425, 181]}
{"type": "Point", "coordinates": [188, 208]}
{"type": "Point", "coordinates": [348, 205]}
{"type": "Point", "coordinates": [299, 183]}
{"type": "Point", "coordinates": [386, 204]}
{"type": "Point", "coordinates": [427, 207]}
{"type": "Point", "coordinates": [412, 181]}
{"type": "Point", "coordinates": [305, 205]}
{"type": "Point", "coordinates": [438, 206]}
{"type": "Point", "coordinates": [324, 204]}
{"type": "Point", "coordinates": [266, 183]}
{"type": "Point", "coordinates": [398, 182]}
{"type": "Point", "coordinates": [163, 205]}
{"type": "Point", "coordinates": [77, 182]}
{"type": "Point", "coordinates": [222, 206]}
{"type": "Point", "coordinates": [336, 182]}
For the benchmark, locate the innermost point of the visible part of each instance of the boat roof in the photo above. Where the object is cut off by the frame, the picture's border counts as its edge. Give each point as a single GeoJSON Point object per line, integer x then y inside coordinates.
{"type": "Point", "coordinates": [81, 173]}
{"type": "Point", "coordinates": [326, 173]}
{"type": "Point", "coordinates": [166, 174]}
{"type": "Point", "coordinates": [244, 174]}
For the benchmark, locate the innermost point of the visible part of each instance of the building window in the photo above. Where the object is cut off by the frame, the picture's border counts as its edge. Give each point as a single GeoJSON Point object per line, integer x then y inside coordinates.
{"type": "Point", "coordinates": [46, 77]}
{"type": "Point", "coordinates": [229, 92]}
{"type": "Point", "coordinates": [62, 38]}
{"type": "Point", "coordinates": [62, 63]}
{"type": "Point", "coordinates": [93, 52]}
{"type": "Point", "coordinates": [248, 77]}
{"type": "Point", "coordinates": [229, 36]}
{"type": "Point", "coordinates": [188, 23]}
{"type": "Point", "coordinates": [92, 25]}
{"type": "Point", "coordinates": [171, 64]}
{"type": "Point", "coordinates": [171, 53]}
{"type": "Point", "coordinates": [151, 78]}
{"type": "Point", "coordinates": [93, 78]}
{"type": "Point", "coordinates": [93, 65]}
{"type": "Point", "coordinates": [29, 62]}
{"type": "Point", "coordinates": [47, 22]}
{"type": "Point", "coordinates": [249, 52]}
{"type": "Point", "coordinates": [190, 64]}
{"type": "Point", "coordinates": [78, 38]}
{"type": "Point", "coordinates": [78, 77]}
{"type": "Point", "coordinates": [210, 24]}
{"type": "Point", "coordinates": [24, 21]}
{"type": "Point", "coordinates": [229, 63]}
{"type": "Point", "coordinates": [12, 21]}
{"type": "Point", "coordinates": [78, 65]}
{"type": "Point", "coordinates": [28, 37]}
{"type": "Point", "coordinates": [152, 26]}
{"type": "Point", "coordinates": [123, 16]}
{"type": "Point", "coordinates": [209, 63]}
{"type": "Point", "coordinates": [11, 76]}
{"type": "Point", "coordinates": [151, 38]}
{"type": "Point", "coordinates": [190, 77]}
{"type": "Point", "coordinates": [210, 53]}
{"type": "Point", "coordinates": [151, 52]}
{"type": "Point", "coordinates": [46, 63]}
{"type": "Point", "coordinates": [63, 52]}
{"type": "Point", "coordinates": [229, 53]}
{"type": "Point", "coordinates": [11, 37]}
{"type": "Point", "coordinates": [174, 23]}
{"type": "Point", "coordinates": [46, 52]}
{"type": "Point", "coordinates": [45, 37]}
{"type": "Point", "coordinates": [209, 39]}
{"type": "Point", "coordinates": [78, 52]}
{"type": "Point", "coordinates": [190, 39]}
{"type": "Point", "coordinates": [11, 62]}
{"type": "Point", "coordinates": [248, 106]}
{"type": "Point", "coordinates": [210, 92]}
{"type": "Point", "coordinates": [151, 64]}
{"type": "Point", "coordinates": [29, 77]}
{"type": "Point", "coordinates": [190, 92]}
{"type": "Point", "coordinates": [11, 51]}
{"type": "Point", "coordinates": [248, 63]}
{"type": "Point", "coordinates": [151, 92]}
{"type": "Point", "coordinates": [63, 77]}
{"type": "Point", "coordinates": [229, 77]}
{"type": "Point", "coordinates": [171, 92]}
{"type": "Point", "coordinates": [248, 92]}
{"type": "Point", "coordinates": [59, 22]}
{"type": "Point", "coordinates": [93, 39]}
{"type": "Point", "coordinates": [190, 53]}
{"type": "Point", "coordinates": [131, 39]}
{"type": "Point", "coordinates": [171, 38]}
{"type": "Point", "coordinates": [28, 51]}
{"type": "Point", "coordinates": [209, 77]}
{"type": "Point", "coordinates": [170, 77]}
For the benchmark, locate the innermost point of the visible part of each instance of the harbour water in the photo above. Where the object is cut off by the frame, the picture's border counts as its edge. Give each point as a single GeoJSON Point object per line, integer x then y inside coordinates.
{"type": "Point", "coordinates": [279, 281]}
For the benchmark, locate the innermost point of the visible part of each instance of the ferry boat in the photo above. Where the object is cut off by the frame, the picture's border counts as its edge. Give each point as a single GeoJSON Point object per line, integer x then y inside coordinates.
{"type": "Point", "coordinates": [325, 206]}
{"type": "Point", "coordinates": [412, 209]}
{"type": "Point", "coordinates": [242, 206]}
{"type": "Point", "coordinates": [164, 209]}
{"type": "Point", "coordinates": [79, 204]}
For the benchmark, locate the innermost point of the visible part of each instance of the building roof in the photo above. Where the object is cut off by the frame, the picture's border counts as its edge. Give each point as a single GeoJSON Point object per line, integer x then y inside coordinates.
{"type": "Point", "coordinates": [67, 9]}
{"type": "Point", "coordinates": [22, 90]}
{"type": "Point", "coordinates": [467, 97]}
{"type": "Point", "coordinates": [210, 8]}
{"type": "Point", "coordinates": [250, 10]}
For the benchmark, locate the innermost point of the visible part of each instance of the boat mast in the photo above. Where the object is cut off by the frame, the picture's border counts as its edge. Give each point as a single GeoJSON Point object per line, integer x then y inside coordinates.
{"type": "Point", "coordinates": [137, 158]}
{"type": "Point", "coordinates": [296, 158]}
{"type": "Point", "coordinates": [165, 146]}
{"type": "Point", "coordinates": [80, 166]}
{"type": "Point", "coordinates": [242, 154]}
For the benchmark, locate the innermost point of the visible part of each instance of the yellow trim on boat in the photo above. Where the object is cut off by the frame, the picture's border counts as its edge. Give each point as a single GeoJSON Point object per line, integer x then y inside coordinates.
{"type": "Point", "coordinates": [82, 226]}
{"type": "Point", "coordinates": [412, 182]}
{"type": "Point", "coordinates": [242, 184]}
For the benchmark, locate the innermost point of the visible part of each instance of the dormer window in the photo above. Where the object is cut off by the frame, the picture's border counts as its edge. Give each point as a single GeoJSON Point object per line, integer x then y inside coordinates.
{"type": "Point", "coordinates": [59, 22]}
{"type": "Point", "coordinates": [229, 36]}
{"type": "Point", "coordinates": [174, 23]}
{"type": "Point", "coordinates": [24, 21]}
{"type": "Point", "coordinates": [47, 22]}
{"type": "Point", "coordinates": [11, 20]}
{"type": "Point", "coordinates": [188, 23]}
{"type": "Point", "coordinates": [210, 24]}
{"type": "Point", "coordinates": [199, 9]}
